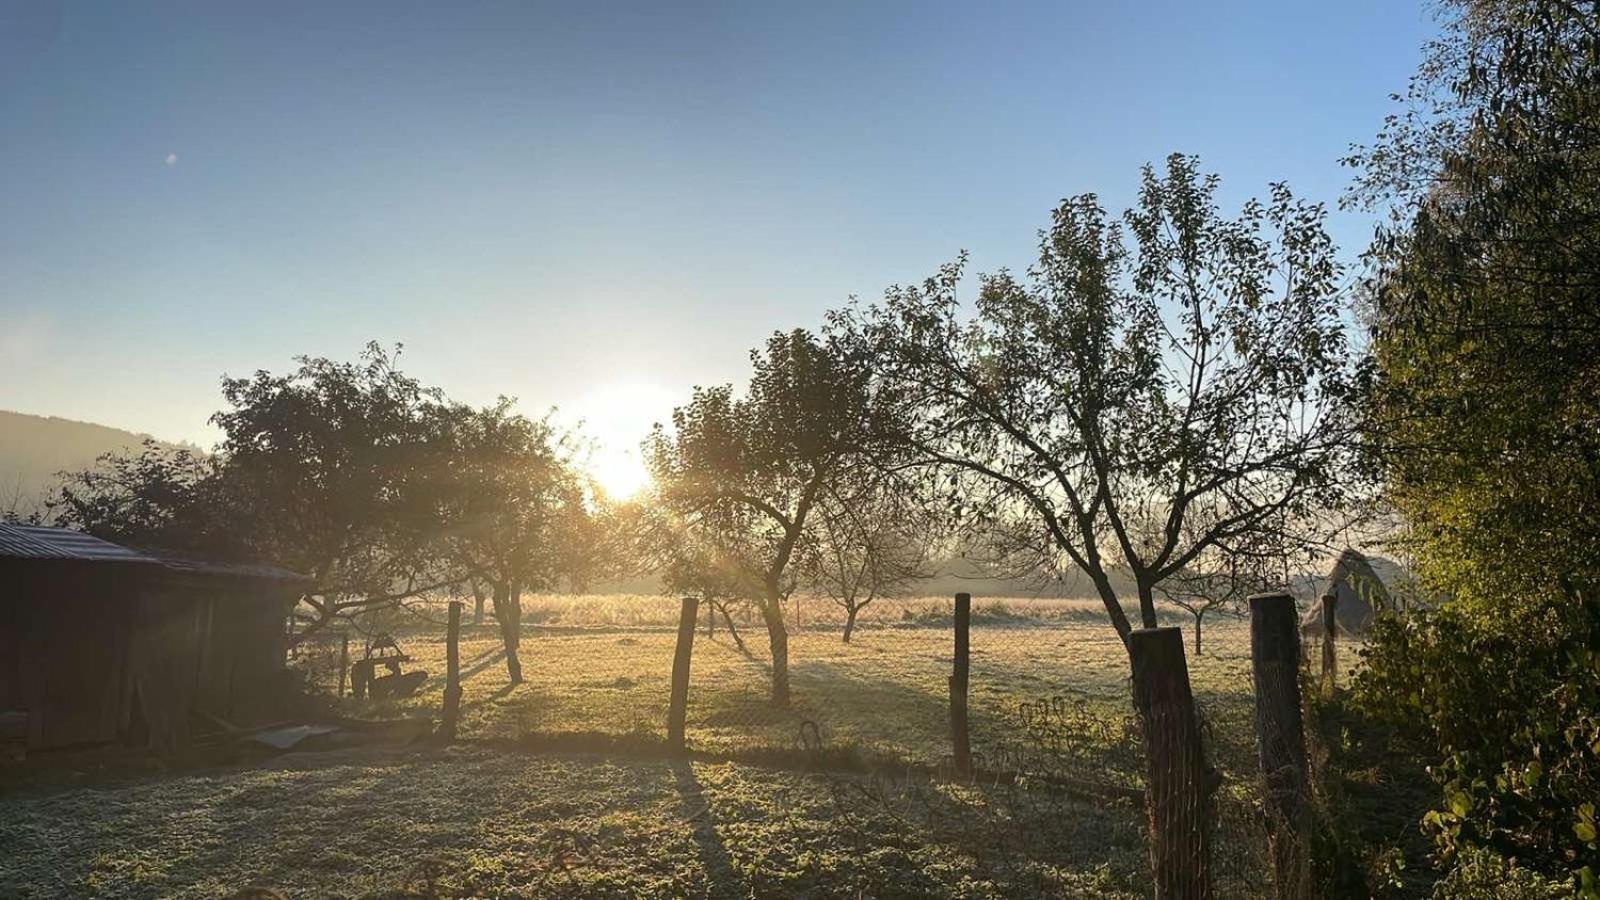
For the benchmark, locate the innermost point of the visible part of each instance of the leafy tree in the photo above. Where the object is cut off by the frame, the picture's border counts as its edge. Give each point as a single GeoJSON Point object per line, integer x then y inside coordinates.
{"type": "Point", "coordinates": [1485, 424]}
{"type": "Point", "coordinates": [167, 497]}
{"type": "Point", "coordinates": [1485, 308]}
{"type": "Point", "coordinates": [335, 472]}
{"type": "Point", "coordinates": [1163, 384]}
{"type": "Point", "coordinates": [513, 509]}
{"type": "Point", "coordinates": [357, 474]}
{"type": "Point", "coordinates": [749, 471]}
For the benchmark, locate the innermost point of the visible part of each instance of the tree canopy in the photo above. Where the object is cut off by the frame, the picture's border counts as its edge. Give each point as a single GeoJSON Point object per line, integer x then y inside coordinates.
{"type": "Point", "coordinates": [358, 475]}
{"type": "Point", "coordinates": [1162, 384]}
{"type": "Point", "coordinates": [1485, 306]}
{"type": "Point", "coordinates": [749, 471]}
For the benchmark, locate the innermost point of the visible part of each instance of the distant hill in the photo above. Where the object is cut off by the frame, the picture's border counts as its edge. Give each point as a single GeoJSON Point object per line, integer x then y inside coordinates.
{"type": "Point", "coordinates": [34, 448]}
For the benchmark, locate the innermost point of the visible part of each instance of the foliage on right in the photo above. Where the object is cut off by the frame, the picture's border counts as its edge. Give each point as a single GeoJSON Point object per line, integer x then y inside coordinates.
{"type": "Point", "coordinates": [1485, 425]}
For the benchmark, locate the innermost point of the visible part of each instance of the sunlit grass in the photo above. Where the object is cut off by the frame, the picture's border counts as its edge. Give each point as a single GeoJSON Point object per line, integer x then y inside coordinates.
{"type": "Point", "coordinates": [602, 664]}
{"type": "Point", "coordinates": [511, 822]}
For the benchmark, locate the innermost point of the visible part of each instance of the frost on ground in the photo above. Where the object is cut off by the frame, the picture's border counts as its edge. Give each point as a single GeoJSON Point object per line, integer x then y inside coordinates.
{"type": "Point", "coordinates": [498, 822]}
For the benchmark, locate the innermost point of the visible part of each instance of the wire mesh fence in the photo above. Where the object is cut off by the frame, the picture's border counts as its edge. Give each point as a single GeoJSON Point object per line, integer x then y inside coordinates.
{"type": "Point", "coordinates": [319, 664]}
{"type": "Point", "coordinates": [1054, 733]}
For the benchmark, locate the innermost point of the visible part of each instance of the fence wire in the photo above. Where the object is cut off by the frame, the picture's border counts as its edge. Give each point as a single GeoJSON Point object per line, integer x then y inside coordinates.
{"type": "Point", "coordinates": [1061, 783]}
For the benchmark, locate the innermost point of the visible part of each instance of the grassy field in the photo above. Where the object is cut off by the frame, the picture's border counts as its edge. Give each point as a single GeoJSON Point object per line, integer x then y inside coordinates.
{"type": "Point", "coordinates": [750, 815]}
{"type": "Point", "coordinates": [500, 823]}
{"type": "Point", "coordinates": [884, 694]}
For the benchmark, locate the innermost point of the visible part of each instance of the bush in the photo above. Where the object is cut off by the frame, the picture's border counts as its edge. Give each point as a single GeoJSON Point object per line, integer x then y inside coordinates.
{"type": "Point", "coordinates": [1510, 706]}
{"type": "Point", "coordinates": [1481, 875]}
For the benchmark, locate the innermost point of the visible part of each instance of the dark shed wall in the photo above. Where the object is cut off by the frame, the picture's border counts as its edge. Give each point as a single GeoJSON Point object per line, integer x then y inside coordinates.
{"type": "Point", "coordinates": [64, 627]}
{"type": "Point", "coordinates": [91, 650]}
{"type": "Point", "coordinates": [238, 648]}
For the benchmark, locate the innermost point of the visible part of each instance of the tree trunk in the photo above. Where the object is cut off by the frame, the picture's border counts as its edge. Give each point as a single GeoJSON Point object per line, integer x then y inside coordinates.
{"type": "Point", "coordinates": [507, 610]}
{"type": "Point", "coordinates": [478, 596]}
{"type": "Point", "coordinates": [778, 639]}
{"type": "Point", "coordinates": [1147, 604]}
{"type": "Point", "coordinates": [732, 631]}
{"type": "Point", "coordinates": [1199, 617]}
{"type": "Point", "coordinates": [850, 622]}
{"type": "Point", "coordinates": [1119, 619]}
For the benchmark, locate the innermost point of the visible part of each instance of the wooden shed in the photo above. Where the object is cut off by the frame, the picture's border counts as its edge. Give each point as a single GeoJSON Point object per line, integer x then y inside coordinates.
{"type": "Point", "coordinates": [103, 644]}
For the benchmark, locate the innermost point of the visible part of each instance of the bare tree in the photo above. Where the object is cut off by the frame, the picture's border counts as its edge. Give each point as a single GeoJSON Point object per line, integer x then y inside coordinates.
{"type": "Point", "coordinates": [1220, 579]}
{"type": "Point", "coordinates": [16, 504]}
{"type": "Point", "coordinates": [874, 543]}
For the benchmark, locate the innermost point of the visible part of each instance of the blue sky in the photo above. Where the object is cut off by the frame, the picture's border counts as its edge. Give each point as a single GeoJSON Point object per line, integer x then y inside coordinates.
{"type": "Point", "coordinates": [593, 205]}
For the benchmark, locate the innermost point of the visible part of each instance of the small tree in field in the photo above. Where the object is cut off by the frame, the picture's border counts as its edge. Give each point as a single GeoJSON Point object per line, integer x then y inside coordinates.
{"type": "Point", "coordinates": [1219, 580]}
{"type": "Point", "coordinates": [750, 471]}
{"type": "Point", "coordinates": [723, 581]}
{"type": "Point", "coordinates": [1163, 384]}
{"type": "Point", "coordinates": [874, 543]}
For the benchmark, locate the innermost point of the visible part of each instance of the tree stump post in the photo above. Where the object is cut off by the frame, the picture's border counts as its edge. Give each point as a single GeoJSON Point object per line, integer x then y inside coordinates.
{"type": "Point", "coordinates": [451, 714]}
{"type": "Point", "coordinates": [1330, 653]}
{"type": "Point", "coordinates": [678, 708]}
{"type": "Point", "coordinates": [960, 737]}
{"type": "Point", "coordinates": [1280, 739]}
{"type": "Point", "coordinates": [1178, 784]}
{"type": "Point", "coordinates": [344, 661]}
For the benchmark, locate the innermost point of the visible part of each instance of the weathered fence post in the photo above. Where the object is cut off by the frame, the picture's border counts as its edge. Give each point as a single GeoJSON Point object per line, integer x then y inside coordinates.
{"type": "Point", "coordinates": [1177, 789]}
{"type": "Point", "coordinates": [344, 661]}
{"type": "Point", "coordinates": [452, 667]}
{"type": "Point", "coordinates": [678, 708]}
{"type": "Point", "coordinates": [1330, 654]}
{"type": "Point", "coordinates": [1280, 738]}
{"type": "Point", "coordinates": [960, 738]}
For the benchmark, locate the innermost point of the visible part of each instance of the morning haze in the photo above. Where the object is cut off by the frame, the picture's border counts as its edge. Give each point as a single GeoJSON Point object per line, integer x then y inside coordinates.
{"type": "Point", "coordinates": [859, 450]}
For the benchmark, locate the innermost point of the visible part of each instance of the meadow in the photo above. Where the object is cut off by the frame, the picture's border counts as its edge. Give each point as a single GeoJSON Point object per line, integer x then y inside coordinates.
{"type": "Point", "coordinates": [558, 786]}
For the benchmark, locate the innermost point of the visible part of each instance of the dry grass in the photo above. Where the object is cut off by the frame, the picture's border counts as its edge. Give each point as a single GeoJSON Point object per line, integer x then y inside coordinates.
{"type": "Point", "coordinates": [603, 665]}
{"type": "Point", "coordinates": [507, 822]}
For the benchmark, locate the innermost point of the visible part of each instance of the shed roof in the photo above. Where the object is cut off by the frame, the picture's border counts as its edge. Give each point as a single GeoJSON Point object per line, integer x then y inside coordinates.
{"type": "Point", "coordinates": [40, 542]}
{"type": "Point", "coordinates": [199, 566]}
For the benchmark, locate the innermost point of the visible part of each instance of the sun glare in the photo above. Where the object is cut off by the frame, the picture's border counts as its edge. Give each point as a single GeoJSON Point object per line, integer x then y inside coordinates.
{"type": "Point", "coordinates": [617, 418]}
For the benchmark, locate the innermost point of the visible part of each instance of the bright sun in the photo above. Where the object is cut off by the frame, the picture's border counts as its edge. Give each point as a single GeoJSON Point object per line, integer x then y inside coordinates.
{"type": "Point", "coordinates": [617, 418]}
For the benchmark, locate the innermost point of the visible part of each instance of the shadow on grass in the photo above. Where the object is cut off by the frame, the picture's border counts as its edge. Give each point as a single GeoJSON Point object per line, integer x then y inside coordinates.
{"type": "Point", "coordinates": [696, 808]}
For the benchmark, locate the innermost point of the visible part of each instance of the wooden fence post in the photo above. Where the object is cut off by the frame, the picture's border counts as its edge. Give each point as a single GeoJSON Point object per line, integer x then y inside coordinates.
{"type": "Point", "coordinates": [344, 661]}
{"type": "Point", "coordinates": [452, 667]}
{"type": "Point", "coordinates": [678, 708]}
{"type": "Point", "coordinates": [1178, 788]}
{"type": "Point", "coordinates": [1280, 739]}
{"type": "Point", "coordinates": [960, 737]}
{"type": "Point", "coordinates": [1330, 654]}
